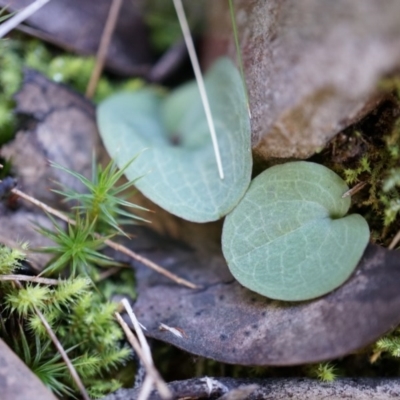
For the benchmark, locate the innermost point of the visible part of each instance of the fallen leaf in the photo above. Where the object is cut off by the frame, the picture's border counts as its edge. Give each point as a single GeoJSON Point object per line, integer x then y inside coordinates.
{"type": "Point", "coordinates": [227, 322]}
{"type": "Point", "coordinates": [77, 25]}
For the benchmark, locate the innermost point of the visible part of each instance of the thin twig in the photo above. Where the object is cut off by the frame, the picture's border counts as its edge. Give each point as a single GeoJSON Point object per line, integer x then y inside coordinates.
{"type": "Point", "coordinates": [109, 272]}
{"type": "Point", "coordinates": [138, 329]}
{"type": "Point", "coordinates": [148, 263]}
{"type": "Point", "coordinates": [27, 278]}
{"type": "Point", "coordinates": [61, 350]}
{"type": "Point", "coordinates": [355, 189]}
{"type": "Point", "coordinates": [162, 387]}
{"type": "Point", "coordinates": [21, 16]}
{"type": "Point", "coordinates": [147, 387]}
{"type": "Point", "coordinates": [103, 47]}
{"type": "Point", "coordinates": [64, 355]}
{"type": "Point", "coordinates": [200, 82]}
{"type": "Point", "coordinates": [43, 206]}
{"type": "Point", "coordinates": [394, 242]}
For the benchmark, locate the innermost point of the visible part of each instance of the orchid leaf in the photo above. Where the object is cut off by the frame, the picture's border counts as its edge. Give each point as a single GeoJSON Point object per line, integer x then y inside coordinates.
{"type": "Point", "coordinates": [179, 170]}
{"type": "Point", "coordinates": [289, 238]}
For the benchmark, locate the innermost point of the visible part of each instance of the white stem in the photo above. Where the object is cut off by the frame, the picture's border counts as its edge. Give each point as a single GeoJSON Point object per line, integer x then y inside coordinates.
{"type": "Point", "coordinates": [21, 16]}
{"type": "Point", "coordinates": [200, 82]}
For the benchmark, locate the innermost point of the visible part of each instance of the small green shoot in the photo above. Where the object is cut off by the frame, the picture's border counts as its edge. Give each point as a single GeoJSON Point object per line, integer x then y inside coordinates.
{"type": "Point", "coordinates": [81, 319]}
{"type": "Point", "coordinates": [389, 344]}
{"type": "Point", "coordinates": [103, 202]}
{"type": "Point", "coordinates": [10, 259]}
{"type": "Point", "coordinates": [326, 372]}
{"type": "Point", "coordinates": [77, 248]}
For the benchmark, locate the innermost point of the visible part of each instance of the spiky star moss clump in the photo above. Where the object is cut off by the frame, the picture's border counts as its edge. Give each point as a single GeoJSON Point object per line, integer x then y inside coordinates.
{"type": "Point", "coordinates": [81, 318]}
{"type": "Point", "coordinates": [83, 322]}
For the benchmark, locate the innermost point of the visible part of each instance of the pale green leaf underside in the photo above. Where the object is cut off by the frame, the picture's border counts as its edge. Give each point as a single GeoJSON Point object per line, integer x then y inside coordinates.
{"type": "Point", "coordinates": [289, 238]}
{"type": "Point", "coordinates": [183, 178]}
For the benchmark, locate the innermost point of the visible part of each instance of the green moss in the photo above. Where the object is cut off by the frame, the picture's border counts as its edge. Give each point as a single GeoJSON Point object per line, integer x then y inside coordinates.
{"type": "Point", "coordinates": [81, 319]}
{"type": "Point", "coordinates": [78, 312]}
{"type": "Point", "coordinates": [369, 152]}
{"type": "Point", "coordinates": [75, 71]}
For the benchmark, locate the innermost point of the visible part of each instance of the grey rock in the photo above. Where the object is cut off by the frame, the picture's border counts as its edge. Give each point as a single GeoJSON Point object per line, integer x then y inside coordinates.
{"type": "Point", "coordinates": [312, 67]}
{"type": "Point", "coordinates": [275, 389]}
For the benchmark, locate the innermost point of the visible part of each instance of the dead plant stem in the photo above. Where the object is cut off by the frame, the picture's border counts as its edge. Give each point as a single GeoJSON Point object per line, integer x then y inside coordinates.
{"type": "Point", "coordinates": [394, 242]}
{"type": "Point", "coordinates": [64, 355]}
{"type": "Point", "coordinates": [162, 387]}
{"type": "Point", "coordinates": [148, 263]}
{"type": "Point", "coordinates": [27, 278]}
{"type": "Point", "coordinates": [13, 22]}
{"type": "Point", "coordinates": [103, 47]}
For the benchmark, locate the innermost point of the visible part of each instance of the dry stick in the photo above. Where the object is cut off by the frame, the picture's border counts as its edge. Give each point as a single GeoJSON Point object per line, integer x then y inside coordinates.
{"type": "Point", "coordinates": [138, 329]}
{"type": "Point", "coordinates": [394, 242]}
{"type": "Point", "coordinates": [21, 16]}
{"type": "Point", "coordinates": [355, 189]}
{"type": "Point", "coordinates": [109, 272]}
{"type": "Point", "coordinates": [27, 278]}
{"type": "Point", "coordinates": [110, 243]}
{"type": "Point", "coordinates": [103, 47]}
{"type": "Point", "coordinates": [61, 350]}
{"type": "Point", "coordinates": [200, 82]}
{"type": "Point", "coordinates": [64, 355]}
{"type": "Point", "coordinates": [148, 383]}
{"type": "Point", "coordinates": [162, 387]}
{"type": "Point", "coordinates": [147, 387]}
{"type": "Point", "coordinates": [149, 263]}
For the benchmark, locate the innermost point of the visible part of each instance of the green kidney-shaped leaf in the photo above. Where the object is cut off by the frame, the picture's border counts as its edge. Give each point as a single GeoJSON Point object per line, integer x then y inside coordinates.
{"type": "Point", "coordinates": [179, 169]}
{"type": "Point", "coordinates": [289, 238]}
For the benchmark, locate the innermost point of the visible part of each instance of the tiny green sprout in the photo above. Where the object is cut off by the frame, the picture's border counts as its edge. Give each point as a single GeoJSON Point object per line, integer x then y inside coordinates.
{"type": "Point", "coordinates": [69, 291]}
{"type": "Point", "coordinates": [24, 300]}
{"type": "Point", "coordinates": [389, 344]}
{"type": "Point", "coordinates": [76, 248]}
{"type": "Point", "coordinates": [104, 202]}
{"type": "Point", "coordinates": [35, 324]}
{"type": "Point", "coordinates": [10, 259]}
{"type": "Point", "coordinates": [351, 175]}
{"type": "Point", "coordinates": [99, 387]}
{"type": "Point", "coordinates": [326, 372]}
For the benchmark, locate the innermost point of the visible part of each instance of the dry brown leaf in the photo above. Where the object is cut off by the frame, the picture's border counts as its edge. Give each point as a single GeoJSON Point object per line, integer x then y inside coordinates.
{"type": "Point", "coordinates": [226, 322]}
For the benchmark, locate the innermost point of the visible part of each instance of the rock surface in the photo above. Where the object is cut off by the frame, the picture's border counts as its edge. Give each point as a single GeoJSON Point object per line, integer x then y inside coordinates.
{"type": "Point", "coordinates": [274, 389]}
{"type": "Point", "coordinates": [61, 128]}
{"type": "Point", "coordinates": [312, 67]}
